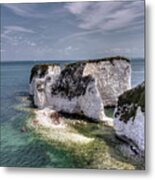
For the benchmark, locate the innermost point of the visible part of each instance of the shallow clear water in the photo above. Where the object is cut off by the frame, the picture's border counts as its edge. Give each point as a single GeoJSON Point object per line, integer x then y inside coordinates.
{"type": "Point", "coordinates": [24, 149]}
{"type": "Point", "coordinates": [138, 66]}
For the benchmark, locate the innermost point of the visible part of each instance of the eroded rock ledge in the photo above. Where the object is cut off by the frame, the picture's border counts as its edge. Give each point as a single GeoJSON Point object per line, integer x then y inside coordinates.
{"type": "Point", "coordinates": [129, 118]}
{"type": "Point", "coordinates": [82, 87]}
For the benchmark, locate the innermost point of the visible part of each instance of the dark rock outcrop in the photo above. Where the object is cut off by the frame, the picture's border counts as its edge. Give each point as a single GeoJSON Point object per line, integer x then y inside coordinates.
{"type": "Point", "coordinates": [129, 117]}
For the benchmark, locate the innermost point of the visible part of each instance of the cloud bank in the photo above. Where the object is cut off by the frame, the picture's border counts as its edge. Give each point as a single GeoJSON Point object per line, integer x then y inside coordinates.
{"type": "Point", "coordinates": [108, 16]}
{"type": "Point", "coordinates": [79, 30]}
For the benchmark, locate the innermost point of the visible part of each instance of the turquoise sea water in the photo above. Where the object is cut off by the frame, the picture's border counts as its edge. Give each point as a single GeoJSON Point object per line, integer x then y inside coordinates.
{"type": "Point", "coordinates": [24, 149]}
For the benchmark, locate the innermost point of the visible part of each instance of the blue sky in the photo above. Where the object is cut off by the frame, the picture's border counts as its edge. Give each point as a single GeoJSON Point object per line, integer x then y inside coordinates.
{"type": "Point", "coordinates": [66, 31]}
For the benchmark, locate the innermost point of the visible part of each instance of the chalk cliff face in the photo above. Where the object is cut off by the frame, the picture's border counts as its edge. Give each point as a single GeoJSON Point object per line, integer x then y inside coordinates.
{"type": "Point", "coordinates": [113, 76]}
{"type": "Point", "coordinates": [129, 117]}
{"type": "Point", "coordinates": [74, 93]}
{"type": "Point", "coordinates": [82, 87]}
{"type": "Point", "coordinates": [40, 75]}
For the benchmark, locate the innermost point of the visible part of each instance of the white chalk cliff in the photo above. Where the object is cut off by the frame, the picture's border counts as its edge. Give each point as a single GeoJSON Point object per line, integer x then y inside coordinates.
{"type": "Point", "coordinates": [40, 75]}
{"type": "Point", "coordinates": [113, 76]}
{"type": "Point", "coordinates": [82, 87]}
{"type": "Point", "coordinates": [129, 117]}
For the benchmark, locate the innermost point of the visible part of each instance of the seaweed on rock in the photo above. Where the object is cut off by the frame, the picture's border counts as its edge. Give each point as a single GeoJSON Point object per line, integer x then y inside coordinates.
{"type": "Point", "coordinates": [71, 83]}
{"type": "Point", "coordinates": [129, 101]}
{"type": "Point", "coordinates": [40, 70]}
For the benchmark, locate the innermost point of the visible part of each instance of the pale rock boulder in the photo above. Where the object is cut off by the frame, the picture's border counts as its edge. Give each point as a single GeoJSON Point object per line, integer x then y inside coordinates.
{"type": "Point", "coordinates": [129, 118]}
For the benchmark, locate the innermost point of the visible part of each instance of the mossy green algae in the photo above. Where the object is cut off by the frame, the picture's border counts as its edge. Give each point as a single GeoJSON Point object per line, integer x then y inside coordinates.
{"type": "Point", "coordinates": [100, 153]}
{"type": "Point", "coordinates": [129, 101]}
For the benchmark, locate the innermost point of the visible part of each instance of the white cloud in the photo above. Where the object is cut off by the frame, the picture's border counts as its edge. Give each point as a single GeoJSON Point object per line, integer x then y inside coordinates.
{"type": "Point", "coordinates": [121, 51]}
{"type": "Point", "coordinates": [33, 44]}
{"type": "Point", "coordinates": [2, 50]}
{"type": "Point", "coordinates": [11, 34]}
{"type": "Point", "coordinates": [18, 9]}
{"type": "Point", "coordinates": [72, 30]}
{"type": "Point", "coordinates": [107, 15]}
{"type": "Point", "coordinates": [76, 35]}
{"type": "Point", "coordinates": [17, 36]}
{"type": "Point", "coordinates": [24, 10]}
{"type": "Point", "coordinates": [33, 10]}
{"type": "Point", "coordinates": [69, 48]}
{"type": "Point", "coordinates": [12, 29]}
{"type": "Point", "coordinates": [78, 7]}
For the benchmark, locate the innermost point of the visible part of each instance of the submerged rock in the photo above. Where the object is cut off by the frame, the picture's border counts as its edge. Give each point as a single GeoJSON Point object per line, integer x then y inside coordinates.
{"type": "Point", "coordinates": [53, 127]}
{"type": "Point", "coordinates": [129, 118]}
{"type": "Point", "coordinates": [23, 129]}
{"type": "Point", "coordinates": [82, 87]}
{"type": "Point", "coordinates": [48, 118]}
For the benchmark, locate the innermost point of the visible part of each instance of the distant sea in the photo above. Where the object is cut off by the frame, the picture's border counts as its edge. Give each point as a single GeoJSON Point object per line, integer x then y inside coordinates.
{"type": "Point", "coordinates": [21, 149]}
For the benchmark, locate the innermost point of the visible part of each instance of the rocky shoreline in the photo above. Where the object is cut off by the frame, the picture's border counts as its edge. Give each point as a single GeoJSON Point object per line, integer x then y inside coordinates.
{"type": "Point", "coordinates": [86, 88]}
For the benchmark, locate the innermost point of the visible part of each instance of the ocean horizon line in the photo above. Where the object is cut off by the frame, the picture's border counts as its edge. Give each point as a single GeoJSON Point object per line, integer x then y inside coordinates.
{"type": "Point", "coordinates": [20, 61]}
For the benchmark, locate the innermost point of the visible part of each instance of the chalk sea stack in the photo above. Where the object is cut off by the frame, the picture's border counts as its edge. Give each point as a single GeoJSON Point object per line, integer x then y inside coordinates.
{"type": "Point", "coordinates": [83, 87]}
{"type": "Point", "coordinates": [112, 74]}
{"type": "Point", "coordinates": [129, 118]}
{"type": "Point", "coordinates": [40, 75]}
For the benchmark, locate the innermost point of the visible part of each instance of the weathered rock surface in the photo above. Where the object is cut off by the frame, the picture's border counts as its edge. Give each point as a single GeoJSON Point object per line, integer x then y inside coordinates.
{"type": "Point", "coordinates": [74, 93]}
{"type": "Point", "coordinates": [113, 76]}
{"type": "Point", "coordinates": [129, 118]}
{"type": "Point", "coordinates": [81, 87]}
{"type": "Point", "coordinates": [40, 74]}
